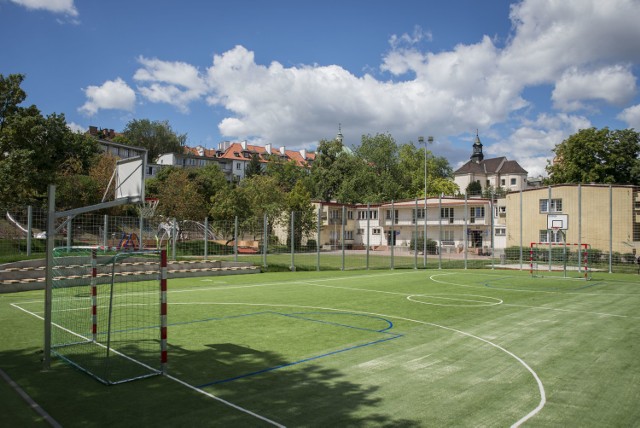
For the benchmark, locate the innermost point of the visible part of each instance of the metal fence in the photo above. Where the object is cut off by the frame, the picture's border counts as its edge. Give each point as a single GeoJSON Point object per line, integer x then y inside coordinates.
{"type": "Point", "coordinates": [461, 232]}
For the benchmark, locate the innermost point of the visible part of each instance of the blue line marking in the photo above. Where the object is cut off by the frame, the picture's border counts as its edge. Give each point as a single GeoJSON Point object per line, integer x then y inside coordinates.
{"type": "Point", "coordinates": [391, 336]}
{"type": "Point", "coordinates": [269, 369]}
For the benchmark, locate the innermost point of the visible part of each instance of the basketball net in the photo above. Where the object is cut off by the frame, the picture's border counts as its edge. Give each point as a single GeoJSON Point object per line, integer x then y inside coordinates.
{"type": "Point", "coordinates": [147, 209]}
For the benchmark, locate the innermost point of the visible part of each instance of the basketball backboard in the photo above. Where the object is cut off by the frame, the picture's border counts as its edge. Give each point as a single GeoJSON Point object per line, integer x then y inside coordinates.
{"type": "Point", "coordinates": [129, 178]}
{"type": "Point", "coordinates": [557, 221]}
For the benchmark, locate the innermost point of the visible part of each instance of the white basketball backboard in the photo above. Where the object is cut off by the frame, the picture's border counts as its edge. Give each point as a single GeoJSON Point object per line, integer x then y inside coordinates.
{"type": "Point", "coordinates": [558, 221]}
{"type": "Point", "coordinates": [130, 178]}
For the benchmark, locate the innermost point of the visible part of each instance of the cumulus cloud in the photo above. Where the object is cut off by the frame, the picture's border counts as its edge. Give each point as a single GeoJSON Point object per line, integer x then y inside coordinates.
{"type": "Point", "coordinates": [581, 48]}
{"type": "Point", "coordinates": [175, 83]}
{"type": "Point", "coordinates": [74, 127]}
{"type": "Point", "coordinates": [55, 6]}
{"type": "Point", "coordinates": [113, 94]}
{"type": "Point", "coordinates": [631, 116]}
{"type": "Point", "coordinates": [615, 85]}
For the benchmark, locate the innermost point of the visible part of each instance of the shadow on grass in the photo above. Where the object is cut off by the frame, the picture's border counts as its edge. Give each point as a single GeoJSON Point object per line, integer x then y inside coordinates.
{"type": "Point", "coordinates": [303, 395]}
{"type": "Point", "coordinates": [298, 394]}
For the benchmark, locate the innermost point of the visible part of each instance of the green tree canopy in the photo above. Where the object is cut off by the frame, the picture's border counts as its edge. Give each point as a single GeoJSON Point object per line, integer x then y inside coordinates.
{"type": "Point", "coordinates": [597, 156]}
{"type": "Point", "coordinates": [43, 144]}
{"type": "Point", "coordinates": [155, 136]}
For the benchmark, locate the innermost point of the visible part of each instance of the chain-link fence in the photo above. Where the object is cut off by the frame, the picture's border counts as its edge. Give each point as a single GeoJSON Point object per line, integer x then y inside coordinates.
{"type": "Point", "coordinates": [440, 233]}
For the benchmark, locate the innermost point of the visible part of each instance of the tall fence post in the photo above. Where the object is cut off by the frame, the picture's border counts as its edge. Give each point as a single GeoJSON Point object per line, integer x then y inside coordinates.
{"type": "Point", "coordinates": [465, 229]}
{"type": "Point", "coordinates": [392, 235]}
{"type": "Point", "coordinates": [291, 241]}
{"type": "Point", "coordinates": [206, 238]}
{"type": "Point", "coordinates": [440, 232]}
{"type": "Point", "coordinates": [29, 228]}
{"type": "Point", "coordinates": [105, 231]}
{"type": "Point", "coordinates": [493, 249]}
{"type": "Point", "coordinates": [415, 239]}
{"type": "Point", "coordinates": [235, 238]}
{"type": "Point", "coordinates": [521, 254]}
{"type": "Point", "coordinates": [610, 228]}
{"type": "Point", "coordinates": [547, 227]}
{"type": "Point", "coordinates": [174, 238]}
{"type": "Point", "coordinates": [318, 231]}
{"type": "Point", "coordinates": [424, 244]}
{"type": "Point", "coordinates": [265, 240]}
{"type": "Point", "coordinates": [580, 228]}
{"type": "Point", "coordinates": [342, 231]}
{"type": "Point", "coordinates": [69, 232]}
{"type": "Point", "coordinates": [368, 233]}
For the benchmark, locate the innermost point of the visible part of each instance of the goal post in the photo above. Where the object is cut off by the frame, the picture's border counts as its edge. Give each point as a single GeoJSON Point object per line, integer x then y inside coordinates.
{"type": "Point", "coordinates": [560, 259]}
{"type": "Point", "coordinates": [109, 312]}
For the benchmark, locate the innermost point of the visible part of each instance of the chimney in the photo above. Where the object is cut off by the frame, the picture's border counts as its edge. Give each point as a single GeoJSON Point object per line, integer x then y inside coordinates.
{"type": "Point", "coordinates": [282, 151]}
{"type": "Point", "coordinates": [267, 148]}
{"type": "Point", "coordinates": [244, 144]}
{"type": "Point", "coordinates": [93, 130]}
{"type": "Point", "coordinates": [303, 153]}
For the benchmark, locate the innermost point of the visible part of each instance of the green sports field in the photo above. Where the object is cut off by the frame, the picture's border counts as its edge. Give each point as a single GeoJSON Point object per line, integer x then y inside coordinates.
{"type": "Point", "coordinates": [357, 348]}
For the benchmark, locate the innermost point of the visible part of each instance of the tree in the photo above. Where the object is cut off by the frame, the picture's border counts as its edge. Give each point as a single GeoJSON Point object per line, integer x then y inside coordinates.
{"type": "Point", "coordinates": [325, 172]}
{"type": "Point", "coordinates": [155, 136]}
{"type": "Point", "coordinates": [253, 167]}
{"type": "Point", "coordinates": [597, 156]}
{"type": "Point", "coordinates": [179, 196]}
{"type": "Point", "coordinates": [474, 189]}
{"type": "Point", "coordinates": [298, 201]}
{"type": "Point", "coordinates": [44, 143]}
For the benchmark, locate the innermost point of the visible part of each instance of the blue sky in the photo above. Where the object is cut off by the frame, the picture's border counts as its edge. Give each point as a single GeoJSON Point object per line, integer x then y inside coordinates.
{"type": "Point", "coordinates": [525, 74]}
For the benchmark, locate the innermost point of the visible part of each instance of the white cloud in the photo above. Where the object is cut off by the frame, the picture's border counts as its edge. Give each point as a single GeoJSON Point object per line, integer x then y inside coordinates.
{"type": "Point", "coordinates": [113, 94]}
{"type": "Point", "coordinates": [615, 85]}
{"type": "Point", "coordinates": [175, 83]}
{"type": "Point", "coordinates": [631, 116]}
{"type": "Point", "coordinates": [581, 48]}
{"type": "Point", "coordinates": [55, 6]}
{"type": "Point", "coordinates": [74, 127]}
{"type": "Point", "coordinates": [532, 143]}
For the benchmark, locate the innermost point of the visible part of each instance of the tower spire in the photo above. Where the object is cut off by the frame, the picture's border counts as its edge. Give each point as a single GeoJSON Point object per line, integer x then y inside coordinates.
{"type": "Point", "coordinates": [477, 155]}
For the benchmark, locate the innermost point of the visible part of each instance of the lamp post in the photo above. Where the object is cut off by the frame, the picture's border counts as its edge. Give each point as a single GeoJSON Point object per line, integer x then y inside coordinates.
{"type": "Point", "coordinates": [424, 250]}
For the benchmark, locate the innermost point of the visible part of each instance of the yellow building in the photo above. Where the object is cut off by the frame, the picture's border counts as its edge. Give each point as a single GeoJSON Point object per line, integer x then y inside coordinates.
{"type": "Point", "coordinates": [605, 217]}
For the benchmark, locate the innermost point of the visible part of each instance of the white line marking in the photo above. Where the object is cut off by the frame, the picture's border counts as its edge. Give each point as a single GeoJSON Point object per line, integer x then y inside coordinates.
{"type": "Point", "coordinates": [522, 420]}
{"type": "Point", "coordinates": [175, 379]}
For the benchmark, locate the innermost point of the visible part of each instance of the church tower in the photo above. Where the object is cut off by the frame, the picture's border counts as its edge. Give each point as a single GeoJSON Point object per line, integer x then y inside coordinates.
{"type": "Point", "coordinates": [477, 155]}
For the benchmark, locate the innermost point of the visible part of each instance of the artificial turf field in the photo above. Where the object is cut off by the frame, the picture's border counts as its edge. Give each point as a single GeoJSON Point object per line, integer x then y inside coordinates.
{"type": "Point", "coordinates": [358, 348]}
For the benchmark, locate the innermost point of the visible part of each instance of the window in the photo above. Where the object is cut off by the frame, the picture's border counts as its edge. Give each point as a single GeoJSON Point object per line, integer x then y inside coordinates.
{"type": "Point", "coordinates": [446, 212]}
{"type": "Point", "coordinates": [395, 217]}
{"type": "Point", "coordinates": [554, 236]}
{"type": "Point", "coordinates": [420, 214]}
{"type": "Point", "coordinates": [556, 205]}
{"type": "Point", "coordinates": [348, 234]}
{"type": "Point", "coordinates": [375, 231]}
{"type": "Point", "coordinates": [334, 214]}
{"type": "Point", "coordinates": [349, 215]}
{"type": "Point", "coordinates": [360, 232]}
{"type": "Point", "coordinates": [447, 237]}
{"type": "Point", "coordinates": [513, 181]}
{"type": "Point", "coordinates": [362, 215]}
{"type": "Point", "coordinates": [501, 231]}
{"type": "Point", "coordinates": [503, 181]}
{"type": "Point", "coordinates": [476, 212]}
{"type": "Point", "coordinates": [238, 166]}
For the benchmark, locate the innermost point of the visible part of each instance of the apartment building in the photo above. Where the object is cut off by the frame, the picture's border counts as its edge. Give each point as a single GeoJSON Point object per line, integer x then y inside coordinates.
{"type": "Point", "coordinates": [452, 222]}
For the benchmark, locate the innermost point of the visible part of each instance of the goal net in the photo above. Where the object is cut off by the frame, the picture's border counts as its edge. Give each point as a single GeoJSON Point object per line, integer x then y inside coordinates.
{"type": "Point", "coordinates": [108, 315]}
{"type": "Point", "coordinates": [560, 260]}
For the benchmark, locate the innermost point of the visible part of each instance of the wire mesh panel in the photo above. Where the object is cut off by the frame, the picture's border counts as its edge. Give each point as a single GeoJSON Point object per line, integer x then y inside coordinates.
{"type": "Point", "coordinates": [107, 312]}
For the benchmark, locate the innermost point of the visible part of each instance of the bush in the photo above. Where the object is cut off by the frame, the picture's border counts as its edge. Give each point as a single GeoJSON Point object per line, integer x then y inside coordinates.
{"type": "Point", "coordinates": [419, 242]}
{"type": "Point", "coordinates": [513, 253]}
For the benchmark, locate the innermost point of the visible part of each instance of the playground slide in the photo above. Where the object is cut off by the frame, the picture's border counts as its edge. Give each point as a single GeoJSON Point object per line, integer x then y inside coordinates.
{"type": "Point", "coordinates": [15, 223]}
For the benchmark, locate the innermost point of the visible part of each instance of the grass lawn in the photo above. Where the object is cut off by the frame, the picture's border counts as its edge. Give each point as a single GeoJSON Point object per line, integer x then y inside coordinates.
{"type": "Point", "coordinates": [358, 348]}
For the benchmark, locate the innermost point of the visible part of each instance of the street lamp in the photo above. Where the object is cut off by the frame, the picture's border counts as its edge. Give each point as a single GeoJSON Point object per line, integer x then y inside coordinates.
{"type": "Point", "coordinates": [424, 250]}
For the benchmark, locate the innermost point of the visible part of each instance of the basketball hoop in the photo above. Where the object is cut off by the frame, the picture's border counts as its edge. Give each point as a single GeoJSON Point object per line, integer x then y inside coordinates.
{"type": "Point", "coordinates": [147, 209]}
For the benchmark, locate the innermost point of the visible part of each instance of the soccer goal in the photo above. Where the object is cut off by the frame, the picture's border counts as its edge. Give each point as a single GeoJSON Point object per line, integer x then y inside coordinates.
{"type": "Point", "coordinates": [109, 312]}
{"type": "Point", "coordinates": [560, 260]}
